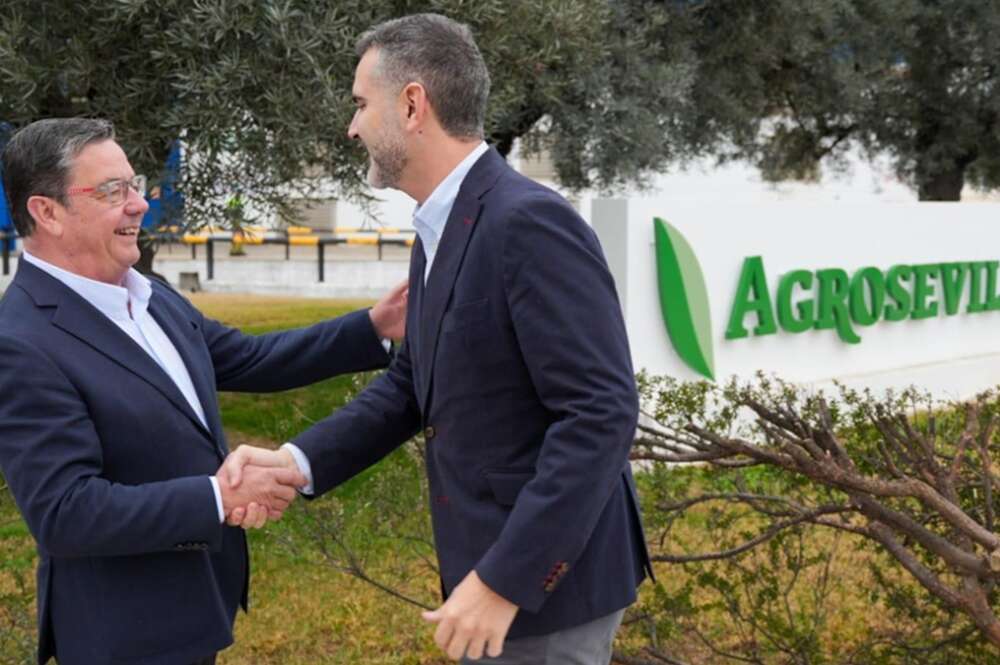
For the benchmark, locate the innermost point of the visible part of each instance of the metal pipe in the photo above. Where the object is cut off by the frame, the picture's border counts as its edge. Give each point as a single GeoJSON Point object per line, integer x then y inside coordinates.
{"type": "Point", "coordinates": [322, 247]}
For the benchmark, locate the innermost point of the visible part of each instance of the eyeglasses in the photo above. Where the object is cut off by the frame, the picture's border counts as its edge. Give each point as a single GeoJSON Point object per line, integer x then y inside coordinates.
{"type": "Point", "coordinates": [113, 192]}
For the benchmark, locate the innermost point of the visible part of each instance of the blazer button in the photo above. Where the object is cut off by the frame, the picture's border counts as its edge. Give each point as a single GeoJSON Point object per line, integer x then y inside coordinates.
{"type": "Point", "coordinates": [429, 432]}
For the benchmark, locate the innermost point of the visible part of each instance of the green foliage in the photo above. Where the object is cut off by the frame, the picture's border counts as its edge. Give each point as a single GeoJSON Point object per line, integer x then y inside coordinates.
{"type": "Point", "coordinates": [771, 605]}
{"type": "Point", "coordinates": [776, 533]}
{"type": "Point", "coordinates": [602, 105]}
{"type": "Point", "coordinates": [786, 84]}
{"type": "Point", "coordinates": [259, 92]}
{"type": "Point", "coordinates": [255, 90]}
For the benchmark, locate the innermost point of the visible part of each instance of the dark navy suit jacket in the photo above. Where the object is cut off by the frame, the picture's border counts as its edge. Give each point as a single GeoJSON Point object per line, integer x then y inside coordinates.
{"type": "Point", "coordinates": [517, 367]}
{"type": "Point", "coordinates": [109, 464]}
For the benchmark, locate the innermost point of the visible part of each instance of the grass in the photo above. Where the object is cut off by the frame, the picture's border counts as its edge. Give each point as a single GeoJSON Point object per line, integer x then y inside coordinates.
{"type": "Point", "coordinates": [305, 612]}
{"type": "Point", "coordinates": [276, 417]}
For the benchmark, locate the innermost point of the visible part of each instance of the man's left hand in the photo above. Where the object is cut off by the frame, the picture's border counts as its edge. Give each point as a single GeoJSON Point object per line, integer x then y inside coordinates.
{"type": "Point", "coordinates": [389, 314]}
{"type": "Point", "coordinates": [474, 619]}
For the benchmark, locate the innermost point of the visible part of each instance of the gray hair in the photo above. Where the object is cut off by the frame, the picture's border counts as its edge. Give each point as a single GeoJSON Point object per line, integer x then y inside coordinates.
{"type": "Point", "coordinates": [441, 55]}
{"type": "Point", "coordinates": [38, 159]}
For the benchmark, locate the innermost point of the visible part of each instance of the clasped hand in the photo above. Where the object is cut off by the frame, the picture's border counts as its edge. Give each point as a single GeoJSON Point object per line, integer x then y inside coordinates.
{"type": "Point", "coordinates": [257, 485]}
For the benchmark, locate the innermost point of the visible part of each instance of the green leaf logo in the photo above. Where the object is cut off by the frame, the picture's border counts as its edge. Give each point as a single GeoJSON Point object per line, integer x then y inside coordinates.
{"type": "Point", "coordinates": [683, 299]}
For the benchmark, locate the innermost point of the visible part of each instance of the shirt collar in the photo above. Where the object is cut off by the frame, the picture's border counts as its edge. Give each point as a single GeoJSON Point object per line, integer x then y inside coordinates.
{"type": "Point", "coordinates": [109, 299]}
{"type": "Point", "coordinates": [430, 218]}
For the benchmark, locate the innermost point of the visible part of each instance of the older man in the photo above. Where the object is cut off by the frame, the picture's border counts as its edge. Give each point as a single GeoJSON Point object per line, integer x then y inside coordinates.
{"type": "Point", "coordinates": [516, 367]}
{"type": "Point", "coordinates": [110, 434]}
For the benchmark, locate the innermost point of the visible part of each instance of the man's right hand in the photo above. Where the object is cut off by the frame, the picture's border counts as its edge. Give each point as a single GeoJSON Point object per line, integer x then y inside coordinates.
{"type": "Point", "coordinates": [263, 489]}
{"type": "Point", "coordinates": [232, 469]}
{"type": "Point", "coordinates": [247, 462]}
{"type": "Point", "coordinates": [389, 313]}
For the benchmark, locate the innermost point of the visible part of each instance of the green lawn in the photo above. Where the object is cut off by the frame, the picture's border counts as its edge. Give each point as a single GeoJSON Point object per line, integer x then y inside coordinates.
{"type": "Point", "coordinates": [276, 417]}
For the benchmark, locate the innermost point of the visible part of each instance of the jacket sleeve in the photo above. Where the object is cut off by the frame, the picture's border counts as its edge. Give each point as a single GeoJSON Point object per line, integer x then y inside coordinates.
{"type": "Point", "coordinates": [52, 460]}
{"type": "Point", "coordinates": [571, 333]}
{"type": "Point", "coordinates": [380, 419]}
{"type": "Point", "coordinates": [294, 358]}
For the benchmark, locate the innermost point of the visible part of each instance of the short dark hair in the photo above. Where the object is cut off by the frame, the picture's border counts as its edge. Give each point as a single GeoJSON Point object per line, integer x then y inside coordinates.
{"type": "Point", "coordinates": [441, 55]}
{"type": "Point", "coordinates": [38, 158]}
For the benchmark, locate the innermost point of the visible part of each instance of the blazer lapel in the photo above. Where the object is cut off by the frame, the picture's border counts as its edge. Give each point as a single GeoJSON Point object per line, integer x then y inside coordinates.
{"type": "Point", "coordinates": [448, 260]}
{"type": "Point", "coordinates": [80, 319]}
{"type": "Point", "coordinates": [418, 262]}
{"type": "Point", "coordinates": [180, 330]}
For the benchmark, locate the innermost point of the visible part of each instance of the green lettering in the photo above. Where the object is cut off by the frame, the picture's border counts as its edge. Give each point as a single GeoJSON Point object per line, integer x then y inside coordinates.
{"type": "Point", "coordinates": [952, 281]}
{"type": "Point", "coordinates": [833, 292]}
{"type": "Point", "coordinates": [977, 302]}
{"type": "Point", "coordinates": [924, 289]}
{"type": "Point", "coordinates": [899, 309]}
{"type": "Point", "coordinates": [751, 296]}
{"type": "Point", "coordinates": [992, 298]}
{"type": "Point", "coordinates": [867, 296]}
{"type": "Point", "coordinates": [786, 317]}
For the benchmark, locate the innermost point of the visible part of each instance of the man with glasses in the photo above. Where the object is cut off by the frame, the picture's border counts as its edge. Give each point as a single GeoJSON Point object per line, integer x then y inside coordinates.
{"type": "Point", "coordinates": [110, 435]}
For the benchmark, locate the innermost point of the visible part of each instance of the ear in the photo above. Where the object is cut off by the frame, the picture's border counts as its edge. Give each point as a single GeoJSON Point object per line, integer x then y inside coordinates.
{"type": "Point", "coordinates": [47, 214]}
{"type": "Point", "coordinates": [416, 105]}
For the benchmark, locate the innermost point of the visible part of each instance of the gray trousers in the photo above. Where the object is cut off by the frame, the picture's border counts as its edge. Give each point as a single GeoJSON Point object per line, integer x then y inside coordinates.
{"type": "Point", "coordinates": [589, 644]}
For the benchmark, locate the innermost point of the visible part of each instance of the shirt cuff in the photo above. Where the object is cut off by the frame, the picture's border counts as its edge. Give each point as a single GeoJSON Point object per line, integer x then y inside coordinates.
{"type": "Point", "coordinates": [387, 345]}
{"type": "Point", "coordinates": [303, 463]}
{"type": "Point", "coordinates": [218, 498]}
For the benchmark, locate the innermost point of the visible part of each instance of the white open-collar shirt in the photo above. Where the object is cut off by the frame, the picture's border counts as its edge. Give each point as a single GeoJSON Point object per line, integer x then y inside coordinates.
{"type": "Point", "coordinates": [127, 306]}
{"type": "Point", "coordinates": [430, 217]}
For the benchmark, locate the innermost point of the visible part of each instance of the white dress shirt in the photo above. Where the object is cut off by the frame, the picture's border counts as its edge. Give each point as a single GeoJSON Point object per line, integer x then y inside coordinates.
{"type": "Point", "coordinates": [429, 219]}
{"type": "Point", "coordinates": [127, 307]}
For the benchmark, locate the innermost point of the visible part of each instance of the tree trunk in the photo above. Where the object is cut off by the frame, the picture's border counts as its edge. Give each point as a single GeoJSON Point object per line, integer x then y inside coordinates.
{"type": "Point", "coordinates": [524, 119]}
{"type": "Point", "coordinates": [148, 245]}
{"type": "Point", "coordinates": [147, 252]}
{"type": "Point", "coordinates": [943, 185]}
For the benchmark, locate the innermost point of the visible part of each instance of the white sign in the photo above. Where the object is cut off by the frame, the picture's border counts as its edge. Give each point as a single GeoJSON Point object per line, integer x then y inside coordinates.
{"type": "Point", "coordinates": [953, 355]}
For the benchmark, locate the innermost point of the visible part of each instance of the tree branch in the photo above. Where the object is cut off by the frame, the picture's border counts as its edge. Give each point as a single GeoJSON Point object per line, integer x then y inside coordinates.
{"type": "Point", "coordinates": [767, 535]}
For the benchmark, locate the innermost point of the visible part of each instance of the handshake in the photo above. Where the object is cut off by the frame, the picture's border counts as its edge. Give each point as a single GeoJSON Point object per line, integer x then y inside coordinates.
{"type": "Point", "coordinates": [257, 485]}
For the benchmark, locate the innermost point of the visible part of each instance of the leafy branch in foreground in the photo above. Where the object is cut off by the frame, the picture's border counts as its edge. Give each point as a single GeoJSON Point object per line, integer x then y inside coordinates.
{"type": "Point", "coordinates": [375, 529]}
{"type": "Point", "coordinates": [911, 475]}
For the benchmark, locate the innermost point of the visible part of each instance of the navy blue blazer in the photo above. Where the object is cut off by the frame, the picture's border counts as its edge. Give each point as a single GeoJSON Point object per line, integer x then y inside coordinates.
{"type": "Point", "coordinates": [516, 365]}
{"type": "Point", "coordinates": [108, 465]}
